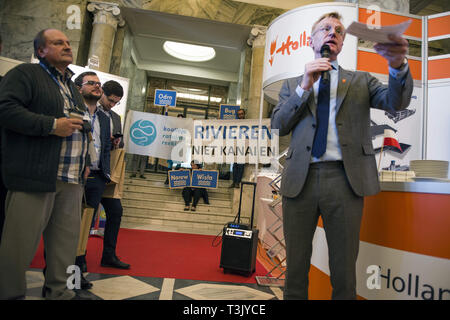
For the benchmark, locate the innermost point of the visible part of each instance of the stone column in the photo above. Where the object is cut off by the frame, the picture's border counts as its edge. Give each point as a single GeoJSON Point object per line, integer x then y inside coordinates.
{"type": "Point", "coordinates": [257, 41]}
{"type": "Point", "coordinates": [106, 19]}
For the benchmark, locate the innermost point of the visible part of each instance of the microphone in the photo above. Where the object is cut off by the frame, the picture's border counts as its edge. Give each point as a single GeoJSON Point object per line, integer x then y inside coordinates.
{"type": "Point", "coordinates": [325, 53]}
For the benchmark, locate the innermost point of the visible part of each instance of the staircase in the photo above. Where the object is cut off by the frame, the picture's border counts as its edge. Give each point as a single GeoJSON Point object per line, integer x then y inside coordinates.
{"type": "Point", "coordinates": [149, 204]}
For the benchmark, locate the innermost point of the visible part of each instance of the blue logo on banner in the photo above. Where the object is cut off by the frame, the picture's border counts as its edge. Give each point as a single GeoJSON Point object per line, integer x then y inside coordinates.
{"type": "Point", "coordinates": [165, 97]}
{"type": "Point", "coordinates": [143, 132]}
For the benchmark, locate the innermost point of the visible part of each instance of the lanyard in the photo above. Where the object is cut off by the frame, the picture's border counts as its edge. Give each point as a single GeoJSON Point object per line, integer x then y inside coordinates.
{"type": "Point", "coordinates": [71, 101]}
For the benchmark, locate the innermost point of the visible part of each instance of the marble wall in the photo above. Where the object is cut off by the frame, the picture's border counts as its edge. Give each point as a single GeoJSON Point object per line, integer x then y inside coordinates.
{"type": "Point", "coordinates": [138, 78]}
{"type": "Point", "coordinates": [21, 20]}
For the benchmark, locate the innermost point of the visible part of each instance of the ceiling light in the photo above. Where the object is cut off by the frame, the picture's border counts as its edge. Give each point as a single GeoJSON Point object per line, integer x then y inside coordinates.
{"type": "Point", "coordinates": [189, 52]}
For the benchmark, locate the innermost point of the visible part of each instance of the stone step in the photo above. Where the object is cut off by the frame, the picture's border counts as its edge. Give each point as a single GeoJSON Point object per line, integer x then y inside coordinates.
{"type": "Point", "coordinates": [171, 226]}
{"type": "Point", "coordinates": [213, 193]}
{"type": "Point", "coordinates": [196, 218]}
{"type": "Point", "coordinates": [160, 183]}
{"type": "Point", "coordinates": [173, 205]}
{"type": "Point", "coordinates": [163, 196]}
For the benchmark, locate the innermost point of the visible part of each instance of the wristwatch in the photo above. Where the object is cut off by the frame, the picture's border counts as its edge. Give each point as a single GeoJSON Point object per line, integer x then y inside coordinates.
{"type": "Point", "coordinates": [53, 127]}
{"type": "Point", "coordinates": [405, 61]}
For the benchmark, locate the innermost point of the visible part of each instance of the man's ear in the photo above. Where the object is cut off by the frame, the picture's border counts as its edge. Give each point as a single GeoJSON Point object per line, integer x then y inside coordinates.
{"type": "Point", "coordinates": [41, 52]}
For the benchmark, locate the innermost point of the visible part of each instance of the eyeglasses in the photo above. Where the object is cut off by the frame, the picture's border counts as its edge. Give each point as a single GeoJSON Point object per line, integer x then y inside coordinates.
{"type": "Point", "coordinates": [327, 28]}
{"type": "Point", "coordinates": [92, 83]}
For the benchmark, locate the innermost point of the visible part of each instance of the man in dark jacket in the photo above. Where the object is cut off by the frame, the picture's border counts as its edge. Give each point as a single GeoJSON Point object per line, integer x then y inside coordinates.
{"type": "Point", "coordinates": [112, 94]}
{"type": "Point", "coordinates": [3, 190]}
{"type": "Point", "coordinates": [44, 156]}
{"type": "Point", "coordinates": [90, 88]}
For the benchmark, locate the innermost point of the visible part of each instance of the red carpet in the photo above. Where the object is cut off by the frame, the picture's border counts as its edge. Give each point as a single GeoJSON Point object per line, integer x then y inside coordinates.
{"type": "Point", "coordinates": [162, 255]}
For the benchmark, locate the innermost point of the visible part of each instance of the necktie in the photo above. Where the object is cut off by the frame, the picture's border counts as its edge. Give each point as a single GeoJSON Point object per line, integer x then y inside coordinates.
{"type": "Point", "coordinates": [323, 111]}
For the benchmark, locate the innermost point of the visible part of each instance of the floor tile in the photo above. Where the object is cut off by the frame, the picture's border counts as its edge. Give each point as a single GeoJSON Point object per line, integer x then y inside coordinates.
{"type": "Point", "coordinates": [119, 288]}
{"type": "Point", "coordinates": [209, 291]}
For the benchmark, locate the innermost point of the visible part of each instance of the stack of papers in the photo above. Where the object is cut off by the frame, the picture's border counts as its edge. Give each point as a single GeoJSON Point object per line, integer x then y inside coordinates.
{"type": "Point", "coordinates": [430, 168]}
{"type": "Point", "coordinates": [377, 33]}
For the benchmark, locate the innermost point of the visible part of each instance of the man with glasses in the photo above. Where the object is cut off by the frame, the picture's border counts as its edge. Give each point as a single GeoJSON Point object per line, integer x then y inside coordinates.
{"type": "Point", "coordinates": [330, 165]}
{"type": "Point", "coordinates": [44, 155]}
{"type": "Point", "coordinates": [90, 88]}
{"type": "Point", "coordinates": [112, 94]}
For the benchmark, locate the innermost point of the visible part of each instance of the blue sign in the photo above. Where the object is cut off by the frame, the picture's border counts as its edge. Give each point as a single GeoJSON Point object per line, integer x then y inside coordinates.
{"type": "Point", "coordinates": [179, 178]}
{"type": "Point", "coordinates": [165, 97]}
{"type": "Point", "coordinates": [143, 132]}
{"type": "Point", "coordinates": [205, 178]}
{"type": "Point", "coordinates": [229, 111]}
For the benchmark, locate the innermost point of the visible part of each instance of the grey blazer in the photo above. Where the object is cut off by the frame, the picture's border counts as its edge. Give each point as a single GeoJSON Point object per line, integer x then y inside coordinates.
{"type": "Point", "coordinates": [357, 92]}
{"type": "Point", "coordinates": [117, 126]}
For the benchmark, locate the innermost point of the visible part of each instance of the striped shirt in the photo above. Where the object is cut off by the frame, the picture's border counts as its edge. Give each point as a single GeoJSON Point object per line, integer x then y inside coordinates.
{"type": "Point", "coordinates": [74, 147]}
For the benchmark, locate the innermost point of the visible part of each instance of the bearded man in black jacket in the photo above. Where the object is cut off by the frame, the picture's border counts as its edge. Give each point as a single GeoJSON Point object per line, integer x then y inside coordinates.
{"type": "Point", "coordinates": [44, 157]}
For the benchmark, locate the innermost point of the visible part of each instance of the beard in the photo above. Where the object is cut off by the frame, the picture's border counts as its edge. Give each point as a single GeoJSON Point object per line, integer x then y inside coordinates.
{"type": "Point", "coordinates": [91, 97]}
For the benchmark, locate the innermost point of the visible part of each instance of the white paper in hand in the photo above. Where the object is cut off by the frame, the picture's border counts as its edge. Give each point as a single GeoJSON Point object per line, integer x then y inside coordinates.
{"type": "Point", "coordinates": [376, 33]}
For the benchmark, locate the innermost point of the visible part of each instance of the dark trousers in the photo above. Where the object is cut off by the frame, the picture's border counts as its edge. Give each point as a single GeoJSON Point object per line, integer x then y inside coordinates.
{"type": "Point", "coordinates": [3, 192]}
{"type": "Point", "coordinates": [238, 172]}
{"type": "Point", "coordinates": [95, 186]}
{"type": "Point", "coordinates": [195, 193]}
{"type": "Point", "coordinates": [114, 210]}
{"type": "Point", "coordinates": [93, 190]}
{"type": "Point", "coordinates": [328, 193]}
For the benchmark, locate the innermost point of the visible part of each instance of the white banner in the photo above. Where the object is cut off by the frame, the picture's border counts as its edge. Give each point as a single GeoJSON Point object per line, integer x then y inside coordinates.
{"type": "Point", "coordinates": [387, 274]}
{"type": "Point", "coordinates": [234, 141]}
{"type": "Point", "coordinates": [212, 141]}
{"type": "Point", "coordinates": [158, 136]}
{"type": "Point", "coordinates": [408, 127]}
{"type": "Point", "coordinates": [287, 41]}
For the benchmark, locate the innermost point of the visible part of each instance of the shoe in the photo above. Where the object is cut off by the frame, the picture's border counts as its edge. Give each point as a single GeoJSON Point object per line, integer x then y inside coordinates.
{"type": "Point", "coordinates": [81, 296]}
{"type": "Point", "coordinates": [187, 208]}
{"type": "Point", "coordinates": [84, 283]}
{"type": "Point", "coordinates": [44, 291]}
{"type": "Point", "coordinates": [232, 185]}
{"type": "Point", "coordinates": [80, 261]}
{"type": "Point", "coordinates": [142, 176]}
{"type": "Point", "coordinates": [193, 208]}
{"type": "Point", "coordinates": [114, 263]}
{"type": "Point", "coordinates": [78, 294]}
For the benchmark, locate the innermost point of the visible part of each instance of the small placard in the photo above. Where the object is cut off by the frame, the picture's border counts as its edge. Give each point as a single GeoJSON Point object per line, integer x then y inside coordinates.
{"type": "Point", "coordinates": [165, 98]}
{"type": "Point", "coordinates": [205, 178]}
{"type": "Point", "coordinates": [229, 111]}
{"type": "Point", "coordinates": [179, 179]}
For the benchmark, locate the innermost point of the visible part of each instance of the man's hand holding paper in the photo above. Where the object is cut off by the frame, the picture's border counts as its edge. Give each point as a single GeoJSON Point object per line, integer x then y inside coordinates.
{"type": "Point", "coordinates": [389, 41]}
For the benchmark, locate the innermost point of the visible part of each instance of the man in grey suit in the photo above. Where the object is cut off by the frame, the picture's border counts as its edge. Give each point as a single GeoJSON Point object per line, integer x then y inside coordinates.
{"type": "Point", "coordinates": [330, 165]}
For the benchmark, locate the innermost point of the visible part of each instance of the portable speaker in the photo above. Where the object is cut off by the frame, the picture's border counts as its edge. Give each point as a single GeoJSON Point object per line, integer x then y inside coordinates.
{"type": "Point", "coordinates": [239, 248]}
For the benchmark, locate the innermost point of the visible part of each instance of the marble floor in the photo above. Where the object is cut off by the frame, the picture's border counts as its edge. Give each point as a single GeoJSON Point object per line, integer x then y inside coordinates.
{"type": "Point", "coordinates": [119, 287]}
